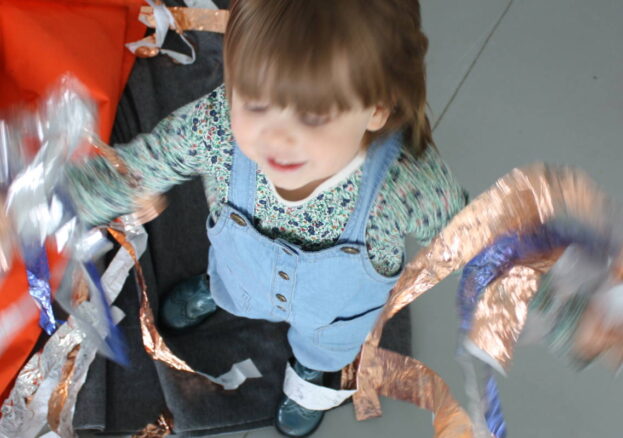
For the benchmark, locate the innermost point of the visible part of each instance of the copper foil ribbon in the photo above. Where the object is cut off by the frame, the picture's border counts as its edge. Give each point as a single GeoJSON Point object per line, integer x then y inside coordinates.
{"type": "Point", "coordinates": [57, 401]}
{"type": "Point", "coordinates": [403, 378]}
{"type": "Point", "coordinates": [80, 292]}
{"type": "Point", "coordinates": [162, 428]}
{"type": "Point", "coordinates": [200, 19]}
{"type": "Point", "coordinates": [183, 19]}
{"type": "Point", "coordinates": [47, 387]}
{"type": "Point", "coordinates": [502, 311]}
{"type": "Point", "coordinates": [518, 202]}
{"type": "Point", "coordinates": [157, 348]}
{"type": "Point", "coordinates": [153, 342]}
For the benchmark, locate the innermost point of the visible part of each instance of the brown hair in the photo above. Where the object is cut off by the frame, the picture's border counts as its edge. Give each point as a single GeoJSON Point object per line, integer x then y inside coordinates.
{"type": "Point", "coordinates": [318, 54]}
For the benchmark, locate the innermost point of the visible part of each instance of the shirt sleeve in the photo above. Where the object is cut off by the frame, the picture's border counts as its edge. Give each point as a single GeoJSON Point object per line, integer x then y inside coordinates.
{"type": "Point", "coordinates": [435, 194]}
{"type": "Point", "coordinates": [180, 147]}
{"type": "Point", "coordinates": [419, 197]}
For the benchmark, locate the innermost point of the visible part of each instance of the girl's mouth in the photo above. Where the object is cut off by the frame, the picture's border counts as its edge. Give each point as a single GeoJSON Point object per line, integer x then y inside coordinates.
{"type": "Point", "coordinates": [284, 166]}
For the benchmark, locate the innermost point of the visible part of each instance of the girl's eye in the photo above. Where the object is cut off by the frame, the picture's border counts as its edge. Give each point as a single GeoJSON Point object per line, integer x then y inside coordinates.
{"type": "Point", "coordinates": [256, 107]}
{"type": "Point", "coordinates": [311, 119]}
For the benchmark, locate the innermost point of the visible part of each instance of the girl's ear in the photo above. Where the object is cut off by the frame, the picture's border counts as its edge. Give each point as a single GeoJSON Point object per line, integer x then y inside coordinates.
{"type": "Point", "coordinates": [378, 118]}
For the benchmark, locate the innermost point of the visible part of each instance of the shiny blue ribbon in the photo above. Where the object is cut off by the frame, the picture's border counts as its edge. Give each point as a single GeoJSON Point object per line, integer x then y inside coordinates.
{"type": "Point", "coordinates": [114, 340]}
{"type": "Point", "coordinates": [38, 273]}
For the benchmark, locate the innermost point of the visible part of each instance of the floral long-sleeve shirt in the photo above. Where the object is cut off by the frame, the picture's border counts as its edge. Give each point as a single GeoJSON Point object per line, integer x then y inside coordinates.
{"type": "Point", "coordinates": [418, 196]}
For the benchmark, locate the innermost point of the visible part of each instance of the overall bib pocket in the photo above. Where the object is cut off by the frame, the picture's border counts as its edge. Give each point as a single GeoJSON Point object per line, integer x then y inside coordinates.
{"type": "Point", "coordinates": [347, 333]}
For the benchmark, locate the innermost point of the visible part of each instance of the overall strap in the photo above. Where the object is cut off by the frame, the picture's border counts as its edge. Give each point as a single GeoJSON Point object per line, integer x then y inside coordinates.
{"type": "Point", "coordinates": [242, 184]}
{"type": "Point", "coordinates": [381, 155]}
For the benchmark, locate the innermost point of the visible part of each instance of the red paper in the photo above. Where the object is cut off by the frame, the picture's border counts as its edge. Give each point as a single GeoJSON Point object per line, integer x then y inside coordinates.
{"type": "Point", "coordinates": [40, 40]}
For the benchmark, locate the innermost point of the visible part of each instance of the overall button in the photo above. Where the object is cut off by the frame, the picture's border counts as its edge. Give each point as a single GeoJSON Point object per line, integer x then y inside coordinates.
{"type": "Point", "coordinates": [238, 219]}
{"type": "Point", "coordinates": [284, 275]}
{"type": "Point", "coordinates": [288, 252]}
{"type": "Point", "coordinates": [283, 309]}
{"type": "Point", "coordinates": [350, 250]}
{"type": "Point", "coordinates": [281, 298]}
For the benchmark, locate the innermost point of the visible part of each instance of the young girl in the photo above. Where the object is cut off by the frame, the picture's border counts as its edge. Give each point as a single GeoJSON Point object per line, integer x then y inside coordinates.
{"type": "Point", "coordinates": [317, 160]}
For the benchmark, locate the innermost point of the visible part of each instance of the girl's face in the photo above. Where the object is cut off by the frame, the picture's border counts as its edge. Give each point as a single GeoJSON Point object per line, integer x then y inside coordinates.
{"type": "Point", "coordinates": [297, 152]}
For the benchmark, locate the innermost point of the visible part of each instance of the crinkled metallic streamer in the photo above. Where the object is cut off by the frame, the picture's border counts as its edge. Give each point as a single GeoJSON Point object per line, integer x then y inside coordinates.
{"type": "Point", "coordinates": [157, 348]}
{"type": "Point", "coordinates": [58, 127]}
{"type": "Point", "coordinates": [179, 19]}
{"type": "Point", "coordinates": [348, 376]}
{"type": "Point", "coordinates": [393, 375]}
{"type": "Point", "coordinates": [496, 260]}
{"type": "Point", "coordinates": [162, 19]}
{"type": "Point", "coordinates": [518, 202]}
{"type": "Point", "coordinates": [61, 392]}
{"type": "Point", "coordinates": [33, 211]}
{"type": "Point", "coordinates": [37, 208]}
{"type": "Point", "coordinates": [86, 247]}
{"type": "Point", "coordinates": [85, 356]}
{"type": "Point", "coordinates": [536, 250]}
{"type": "Point", "coordinates": [502, 312]}
{"type": "Point", "coordinates": [162, 428]}
{"type": "Point", "coordinates": [153, 342]}
{"type": "Point", "coordinates": [91, 245]}
{"type": "Point", "coordinates": [479, 273]}
{"type": "Point", "coordinates": [200, 19]}
{"type": "Point", "coordinates": [493, 415]}
{"type": "Point", "coordinates": [497, 322]}
{"type": "Point", "coordinates": [80, 292]}
{"type": "Point", "coordinates": [25, 411]}
{"type": "Point", "coordinates": [112, 280]}
{"type": "Point", "coordinates": [38, 274]}
{"type": "Point", "coordinates": [114, 338]}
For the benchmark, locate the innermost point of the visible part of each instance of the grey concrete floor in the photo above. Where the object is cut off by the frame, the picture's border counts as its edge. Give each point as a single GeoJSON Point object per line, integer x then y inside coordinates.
{"type": "Point", "coordinates": [513, 82]}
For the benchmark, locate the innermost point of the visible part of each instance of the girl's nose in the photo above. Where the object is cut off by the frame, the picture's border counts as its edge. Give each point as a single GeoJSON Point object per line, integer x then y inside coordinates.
{"type": "Point", "coordinates": [277, 137]}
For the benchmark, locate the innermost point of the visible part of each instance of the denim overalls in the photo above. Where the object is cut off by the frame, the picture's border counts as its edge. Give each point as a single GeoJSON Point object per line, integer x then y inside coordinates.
{"type": "Point", "coordinates": [331, 298]}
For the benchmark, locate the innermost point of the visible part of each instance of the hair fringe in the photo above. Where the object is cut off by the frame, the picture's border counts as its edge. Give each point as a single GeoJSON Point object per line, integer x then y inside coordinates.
{"type": "Point", "coordinates": [323, 53]}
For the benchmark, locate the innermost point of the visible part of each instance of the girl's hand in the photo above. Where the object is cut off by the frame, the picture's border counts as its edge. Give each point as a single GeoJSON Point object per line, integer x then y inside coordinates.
{"type": "Point", "coordinates": [598, 335]}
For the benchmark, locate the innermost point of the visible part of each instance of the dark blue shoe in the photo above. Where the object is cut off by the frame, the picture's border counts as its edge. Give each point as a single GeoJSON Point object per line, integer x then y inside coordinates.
{"type": "Point", "coordinates": [188, 304]}
{"type": "Point", "coordinates": [294, 420]}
